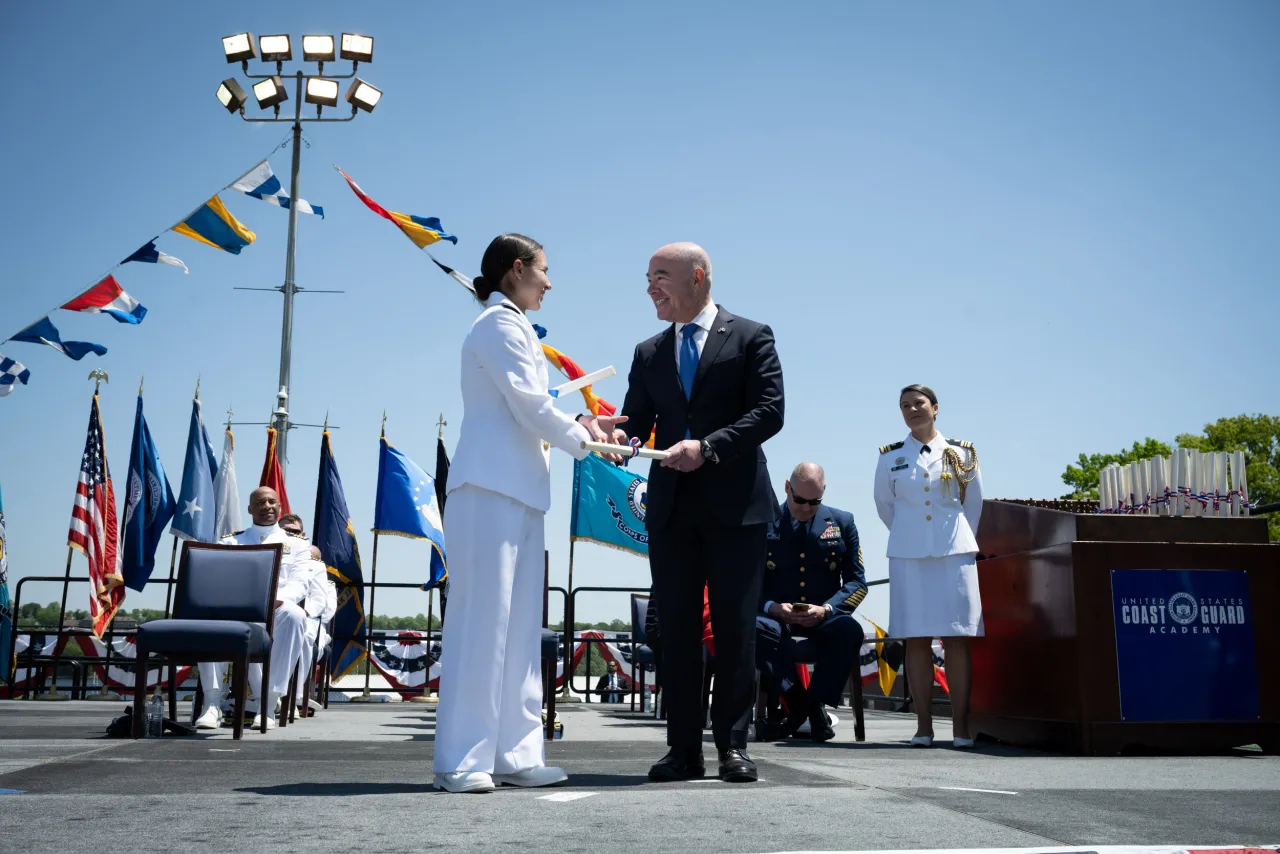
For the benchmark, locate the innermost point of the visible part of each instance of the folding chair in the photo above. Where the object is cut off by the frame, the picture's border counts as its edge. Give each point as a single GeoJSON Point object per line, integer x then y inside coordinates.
{"type": "Point", "coordinates": [224, 610]}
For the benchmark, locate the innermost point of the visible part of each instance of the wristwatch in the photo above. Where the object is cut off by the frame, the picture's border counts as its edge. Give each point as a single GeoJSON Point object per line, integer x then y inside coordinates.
{"type": "Point", "coordinates": [708, 454]}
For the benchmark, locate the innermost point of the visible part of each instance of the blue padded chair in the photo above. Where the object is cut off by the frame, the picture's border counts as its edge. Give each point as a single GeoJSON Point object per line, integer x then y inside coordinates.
{"type": "Point", "coordinates": [224, 610]}
{"type": "Point", "coordinates": [643, 656]}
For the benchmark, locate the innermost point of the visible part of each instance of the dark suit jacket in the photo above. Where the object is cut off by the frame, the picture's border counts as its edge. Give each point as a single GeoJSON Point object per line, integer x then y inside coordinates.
{"type": "Point", "coordinates": [825, 555]}
{"type": "Point", "coordinates": [736, 406]}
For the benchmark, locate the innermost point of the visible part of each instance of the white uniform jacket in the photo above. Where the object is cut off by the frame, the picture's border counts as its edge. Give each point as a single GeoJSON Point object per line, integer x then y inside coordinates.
{"type": "Point", "coordinates": [507, 412]}
{"type": "Point", "coordinates": [294, 578]}
{"type": "Point", "coordinates": [922, 510]}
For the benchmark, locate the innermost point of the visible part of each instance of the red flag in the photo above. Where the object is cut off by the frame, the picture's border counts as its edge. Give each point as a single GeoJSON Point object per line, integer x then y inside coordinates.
{"type": "Point", "coordinates": [95, 529]}
{"type": "Point", "coordinates": [271, 474]}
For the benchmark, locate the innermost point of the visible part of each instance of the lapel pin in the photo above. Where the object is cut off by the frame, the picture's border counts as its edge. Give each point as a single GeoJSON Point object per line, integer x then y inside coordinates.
{"type": "Point", "coordinates": [721, 329]}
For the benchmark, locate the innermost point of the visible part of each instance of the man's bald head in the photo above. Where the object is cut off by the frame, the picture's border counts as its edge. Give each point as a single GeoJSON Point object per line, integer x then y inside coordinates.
{"type": "Point", "coordinates": [679, 281]}
{"type": "Point", "coordinates": [805, 488]}
{"type": "Point", "coordinates": [264, 506]}
{"type": "Point", "coordinates": [809, 474]}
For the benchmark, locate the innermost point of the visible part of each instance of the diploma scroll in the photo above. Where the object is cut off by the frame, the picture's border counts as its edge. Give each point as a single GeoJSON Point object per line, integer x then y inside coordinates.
{"type": "Point", "coordinates": [624, 450]}
{"type": "Point", "coordinates": [583, 381]}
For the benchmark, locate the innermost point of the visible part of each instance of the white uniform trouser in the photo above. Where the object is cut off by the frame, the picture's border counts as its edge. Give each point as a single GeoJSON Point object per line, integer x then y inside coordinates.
{"type": "Point", "coordinates": [490, 713]}
{"type": "Point", "coordinates": [308, 648]}
{"type": "Point", "coordinates": [286, 647]}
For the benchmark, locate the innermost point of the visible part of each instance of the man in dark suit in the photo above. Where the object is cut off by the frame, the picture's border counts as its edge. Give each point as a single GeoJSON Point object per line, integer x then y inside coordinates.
{"type": "Point", "coordinates": [712, 384]}
{"type": "Point", "coordinates": [610, 684]}
{"type": "Point", "coordinates": [814, 579]}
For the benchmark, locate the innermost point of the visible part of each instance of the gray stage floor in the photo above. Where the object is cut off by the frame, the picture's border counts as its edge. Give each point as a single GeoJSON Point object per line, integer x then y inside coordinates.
{"type": "Point", "coordinates": [358, 778]}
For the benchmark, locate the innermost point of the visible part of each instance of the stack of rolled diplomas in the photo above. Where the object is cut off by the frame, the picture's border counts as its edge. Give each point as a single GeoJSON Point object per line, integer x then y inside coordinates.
{"type": "Point", "coordinates": [1189, 483]}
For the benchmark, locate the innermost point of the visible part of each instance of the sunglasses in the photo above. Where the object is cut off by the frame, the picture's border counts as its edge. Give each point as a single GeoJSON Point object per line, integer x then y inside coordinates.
{"type": "Point", "coordinates": [811, 502]}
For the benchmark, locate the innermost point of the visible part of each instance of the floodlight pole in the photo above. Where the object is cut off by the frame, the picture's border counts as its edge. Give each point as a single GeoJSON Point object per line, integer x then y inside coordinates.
{"type": "Point", "coordinates": [280, 416]}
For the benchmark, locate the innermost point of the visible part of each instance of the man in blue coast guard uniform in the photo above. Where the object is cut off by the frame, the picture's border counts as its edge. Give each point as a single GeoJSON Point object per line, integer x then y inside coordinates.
{"type": "Point", "coordinates": [814, 579]}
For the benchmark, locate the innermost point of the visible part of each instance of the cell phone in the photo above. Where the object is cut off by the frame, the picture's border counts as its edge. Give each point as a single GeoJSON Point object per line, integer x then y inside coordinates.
{"type": "Point", "coordinates": [800, 606]}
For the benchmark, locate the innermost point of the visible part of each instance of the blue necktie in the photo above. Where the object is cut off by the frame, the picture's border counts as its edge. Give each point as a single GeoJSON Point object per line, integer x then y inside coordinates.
{"type": "Point", "coordinates": [688, 359]}
{"type": "Point", "coordinates": [688, 364]}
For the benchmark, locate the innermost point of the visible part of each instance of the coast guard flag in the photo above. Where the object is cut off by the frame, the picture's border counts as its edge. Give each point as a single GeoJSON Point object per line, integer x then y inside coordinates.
{"type": "Point", "coordinates": [11, 373]}
{"type": "Point", "coordinates": [226, 491]}
{"type": "Point", "coordinates": [196, 515]}
{"type": "Point", "coordinates": [44, 332]}
{"type": "Point", "coordinates": [609, 506]}
{"type": "Point", "coordinates": [6, 613]}
{"type": "Point", "coordinates": [261, 183]}
{"type": "Point", "coordinates": [149, 254]}
{"type": "Point", "coordinates": [149, 506]}
{"type": "Point", "coordinates": [335, 536]}
{"type": "Point", "coordinates": [407, 506]}
{"type": "Point", "coordinates": [107, 297]}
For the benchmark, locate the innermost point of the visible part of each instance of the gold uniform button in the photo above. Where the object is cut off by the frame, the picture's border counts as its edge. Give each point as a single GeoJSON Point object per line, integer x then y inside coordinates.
{"type": "Point", "coordinates": [802, 584]}
{"type": "Point", "coordinates": [833, 564]}
{"type": "Point", "coordinates": [928, 518]}
{"type": "Point", "coordinates": [771, 565]}
{"type": "Point", "coordinates": [927, 503]}
{"type": "Point", "coordinates": [802, 599]}
{"type": "Point", "coordinates": [802, 569]}
{"type": "Point", "coordinates": [802, 555]}
{"type": "Point", "coordinates": [926, 489]}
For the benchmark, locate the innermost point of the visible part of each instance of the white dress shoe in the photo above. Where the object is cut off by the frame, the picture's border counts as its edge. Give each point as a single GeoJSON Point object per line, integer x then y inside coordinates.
{"type": "Point", "coordinates": [211, 718]}
{"type": "Point", "coordinates": [473, 782]}
{"type": "Point", "coordinates": [530, 778]}
{"type": "Point", "coordinates": [257, 721]}
{"type": "Point", "coordinates": [922, 741]}
{"type": "Point", "coordinates": [962, 743]}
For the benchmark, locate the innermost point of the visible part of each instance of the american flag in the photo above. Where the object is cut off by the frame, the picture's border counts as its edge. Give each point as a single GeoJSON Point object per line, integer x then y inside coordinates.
{"type": "Point", "coordinates": [95, 529]}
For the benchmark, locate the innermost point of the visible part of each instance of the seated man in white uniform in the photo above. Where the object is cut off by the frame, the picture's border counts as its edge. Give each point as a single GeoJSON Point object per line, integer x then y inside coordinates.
{"type": "Point", "coordinates": [290, 619]}
{"type": "Point", "coordinates": [321, 604]}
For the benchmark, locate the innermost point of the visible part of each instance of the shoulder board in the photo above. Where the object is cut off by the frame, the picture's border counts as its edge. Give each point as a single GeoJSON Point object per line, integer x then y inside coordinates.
{"type": "Point", "coordinates": [238, 533]}
{"type": "Point", "coordinates": [960, 443]}
{"type": "Point", "coordinates": [884, 449]}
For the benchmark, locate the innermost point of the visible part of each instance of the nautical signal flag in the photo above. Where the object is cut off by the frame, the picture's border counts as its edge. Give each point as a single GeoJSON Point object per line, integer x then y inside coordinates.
{"type": "Point", "coordinates": [44, 332]}
{"type": "Point", "coordinates": [11, 373]}
{"type": "Point", "coordinates": [406, 505]}
{"type": "Point", "coordinates": [261, 183]}
{"type": "Point", "coordinates": [422, 230]}
{"type": "Point", "coordinates": [213, 225]}
{"type": "Point", "coordinates": [149, 254]}
{"type": "Point", "coordinates": [107, 297]}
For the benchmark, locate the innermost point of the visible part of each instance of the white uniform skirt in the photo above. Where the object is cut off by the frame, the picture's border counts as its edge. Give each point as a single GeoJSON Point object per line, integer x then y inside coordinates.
{"type": "Point", "coordinates": [935, 597]}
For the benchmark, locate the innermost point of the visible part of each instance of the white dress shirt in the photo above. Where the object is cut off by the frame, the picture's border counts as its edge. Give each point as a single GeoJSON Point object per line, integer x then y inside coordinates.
{"type": "Point", "coordinates": [922, 511]}
{"type": "Point", "coordinates": [507, 412]}
{"type": "Point", "coordinates": [703, 321]}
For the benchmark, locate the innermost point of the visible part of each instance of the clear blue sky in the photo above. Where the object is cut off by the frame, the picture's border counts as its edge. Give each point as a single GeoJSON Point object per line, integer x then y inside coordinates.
{"type": "Point", "coordinates": [1063, 217]}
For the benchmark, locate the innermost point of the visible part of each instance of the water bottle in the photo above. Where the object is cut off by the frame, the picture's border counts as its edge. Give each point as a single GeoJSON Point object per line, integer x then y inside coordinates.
{"type": "Point", "coordinates": [155, 716]}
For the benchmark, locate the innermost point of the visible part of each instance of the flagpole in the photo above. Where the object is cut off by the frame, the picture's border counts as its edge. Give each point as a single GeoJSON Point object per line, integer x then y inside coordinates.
{"type": "Point", "coordinates": [52, 693]}
{"type": "Point", "coordinates": [569, 628]}
{"type": "Point", "coordinates": [168, 590]}
{"type": "Point", "coordinates": [366, 697]}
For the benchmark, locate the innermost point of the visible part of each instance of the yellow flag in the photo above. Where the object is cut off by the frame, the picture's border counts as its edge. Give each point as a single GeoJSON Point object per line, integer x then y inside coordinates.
{"type": "Point", "coordinates": [887, 673]}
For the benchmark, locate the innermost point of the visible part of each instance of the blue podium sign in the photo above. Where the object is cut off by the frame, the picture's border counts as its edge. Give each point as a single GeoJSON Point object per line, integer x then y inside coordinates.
{"type": "Point", "coordinates": [1184, 645]}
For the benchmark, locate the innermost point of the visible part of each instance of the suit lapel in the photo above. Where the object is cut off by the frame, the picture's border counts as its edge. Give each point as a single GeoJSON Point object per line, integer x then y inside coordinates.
{"type": "Point", "coordinates": [716, 339]}
{"type": "Point", "coordinates": [664, 363]}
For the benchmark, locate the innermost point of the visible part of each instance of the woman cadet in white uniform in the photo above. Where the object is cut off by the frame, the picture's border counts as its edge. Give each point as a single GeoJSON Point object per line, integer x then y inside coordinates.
{"type": "Point", "coordinates": [929, 494]}
{"type": "Point", "coordinates": [489, 721]}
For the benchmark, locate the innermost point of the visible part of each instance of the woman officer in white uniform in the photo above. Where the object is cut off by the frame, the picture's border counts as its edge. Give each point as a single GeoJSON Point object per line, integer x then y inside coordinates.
{"type": "Point", "coordinates": [929, 494]}
{"type": "Point", "coordinates": [489, 724]}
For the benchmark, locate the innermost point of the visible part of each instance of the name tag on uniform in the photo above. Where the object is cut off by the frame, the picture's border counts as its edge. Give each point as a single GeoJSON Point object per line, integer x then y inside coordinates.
{"type": "Point", "coordinates": [899, 468]}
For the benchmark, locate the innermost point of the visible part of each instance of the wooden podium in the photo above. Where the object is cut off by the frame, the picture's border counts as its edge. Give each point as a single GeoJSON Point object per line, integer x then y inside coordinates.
{"type": "Point", "coordinates": [1051, 668]}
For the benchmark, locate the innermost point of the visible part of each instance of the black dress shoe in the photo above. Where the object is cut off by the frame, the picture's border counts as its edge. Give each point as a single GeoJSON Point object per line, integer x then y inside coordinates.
{"type": "Point", "coordinates": [679, 764]}
{"type": "Point", "coordinates": [736, 766]}
{"type": "Point", "coordinates": [819, 727]}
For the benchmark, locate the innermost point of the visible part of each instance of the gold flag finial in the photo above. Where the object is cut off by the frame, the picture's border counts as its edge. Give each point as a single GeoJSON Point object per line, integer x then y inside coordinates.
{"type": "Point", "coordinates": [141, 380]}
{"type": "Point", "coordinates": [325, 429]}
{"type": "Point", "coordinates": [99, 377]}
{"type": "Point", "coordinates": [197, 386]}
{"type": "Point", "coordinates": [440, 425]}
{"type": "Point", "coordinates": [228, 418]}
{"type": "Point", "coordinates": [384, 424]}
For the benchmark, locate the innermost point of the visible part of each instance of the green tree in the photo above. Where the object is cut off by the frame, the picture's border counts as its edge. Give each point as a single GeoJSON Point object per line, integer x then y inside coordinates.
{"type": "Point", "coordinates": [1083, 478]}
{"type": "Point", "coordinates": [1259, 437]}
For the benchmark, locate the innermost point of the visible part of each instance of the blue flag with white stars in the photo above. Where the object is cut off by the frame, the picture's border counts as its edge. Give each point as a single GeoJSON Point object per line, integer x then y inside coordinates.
{"type": "Point", "coordinates": [407, 506]}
